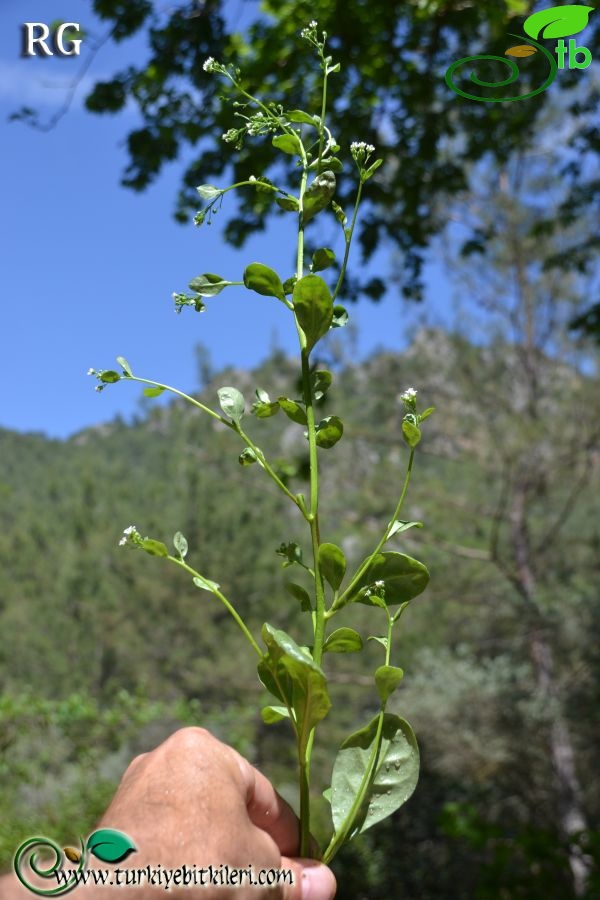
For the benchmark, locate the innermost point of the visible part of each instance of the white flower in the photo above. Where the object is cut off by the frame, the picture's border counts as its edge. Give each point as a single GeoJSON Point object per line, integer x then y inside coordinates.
{"type": "Point", "coordinates": [129, 535]}
{"type": "Point", "coordinates": [409, 394]}
{"type": "Point", "coordinates": [379, 584]}
{"type": "Point", "coordinates": [209, 64]}
{"type": "Point", "coordinates": [361, 147]}
{"type": "Point", "coordinates": [91, 371]}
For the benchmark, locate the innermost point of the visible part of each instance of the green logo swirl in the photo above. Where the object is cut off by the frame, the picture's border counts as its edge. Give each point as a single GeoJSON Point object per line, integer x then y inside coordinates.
{"type": "Point", "coordinates": [498, 84]}
{"type": "Point", "coordinates": [26, 855]}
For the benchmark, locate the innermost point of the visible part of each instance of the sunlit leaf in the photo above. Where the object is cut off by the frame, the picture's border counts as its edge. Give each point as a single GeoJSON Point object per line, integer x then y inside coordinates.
{"type": "Point", "coordinates": [343, 640]}
{"type": "Point", "coordinates": [332, 563]}
{"type": "Point", "coordinates": [313, 307]}
{"type": "Point", "coordinates": [329, 431]}
{"type": "Point", "coordinates": [404, 577]}
{"type": "Point", "coordinates": [391, 784]}
{"type": "Point", "coordinates": [387, 679]}
{"type": "Point", "coordinates": [263, 280]}
{"type": "Point", "coordinates": [231, 402]}
{"type": "Point", "coordinates": [289, 143]}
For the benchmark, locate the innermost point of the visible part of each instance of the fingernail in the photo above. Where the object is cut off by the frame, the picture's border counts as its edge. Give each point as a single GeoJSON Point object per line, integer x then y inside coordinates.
{"type": "Point", "coordinates": [318, 883]}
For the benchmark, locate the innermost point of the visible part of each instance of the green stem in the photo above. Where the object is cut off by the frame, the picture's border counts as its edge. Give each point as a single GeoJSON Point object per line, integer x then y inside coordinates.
{"type": "Point", "coordinates": [339, 838]}
{"type": "Point", "coordinates": [172, 390]}
{"type": "Point", "coordinates": [348, 232]}
{"type": "Point", "coordinates": [270, 472]}
{"type": "Point", "coordinates": [363, 568]}
{"type": "Point", "coordinates": [226, 603]}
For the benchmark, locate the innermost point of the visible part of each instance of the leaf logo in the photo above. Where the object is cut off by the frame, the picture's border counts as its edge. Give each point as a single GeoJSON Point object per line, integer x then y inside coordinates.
{"type": "Point", "coordinates": [110, 845]}
{"type": "Point", "coordinates": [522, 50]}
{"type": "Point", "coordinates": [558, 23]}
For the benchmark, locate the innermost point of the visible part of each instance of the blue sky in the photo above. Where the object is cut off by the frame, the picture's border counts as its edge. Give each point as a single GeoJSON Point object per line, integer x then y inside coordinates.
{"type": "Point", "coordinates": [88, 267]}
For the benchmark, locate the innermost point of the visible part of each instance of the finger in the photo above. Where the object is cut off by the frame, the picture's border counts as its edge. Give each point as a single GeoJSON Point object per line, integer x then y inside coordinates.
{"type": "Point", "coordinates": [312, 880]}
{"type": "Point", "coordinates": [268, 811]}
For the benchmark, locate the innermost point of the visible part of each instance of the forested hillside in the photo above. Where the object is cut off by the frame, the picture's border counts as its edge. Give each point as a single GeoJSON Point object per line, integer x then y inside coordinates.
{"type": "Point", "coordinates": [104, 651]}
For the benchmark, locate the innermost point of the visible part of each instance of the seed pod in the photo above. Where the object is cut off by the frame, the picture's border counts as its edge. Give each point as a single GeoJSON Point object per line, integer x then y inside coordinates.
{"type": "Point", "coordinates": [72, 854]}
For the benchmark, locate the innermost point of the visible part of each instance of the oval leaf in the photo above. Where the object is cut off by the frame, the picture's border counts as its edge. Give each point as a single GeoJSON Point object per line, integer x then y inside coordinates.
{"type": "Point", "coordinates": [124, 365]}
{"type": "Point", "coordinates": [110, 377]}
{"type": "Point", "coordinates": [561, 21]}
{"type": "Point", "coordinates": [303, 118]}
{"type": "Point", "coordinates": [521, 50]}
{"type": "Point", "coordinates": [263, 280]}
{"type": "Point", "coordinates": [272, 714]}
{"type": "Point", "coordinates": [313, 307]}
{"type": "Point", "coordinates": [322, 259]}
{"type": "Point", "coordinates": [411, 432]}
{"type": "Point", "coordinates": [289, 143]}
{"type": "Point", "coordinates": [318, 195]}
{"type": "Point", "coordinates": [231, 402]}
{"type": "Point", "coordinates": [290, 204]}
{"type": "Point", "coordinates": [154, 548]}
{"type": "Point", "coordinates": [332, 563]}
{"type": "Point", "coordinates": [208, 285]}
{"type": "Point", "coordinates": [153, 391]}
{"type": "Point", "coordinates": [293, 410]}
{"type": "Point", "coordinates": [208, 191]}
{"type": "Point", "coordinates": [343, 640]}
{"type": "Point", "coordinates": [180, 543]}
{"type": "Point", "coordinates": [399, 526]}
{"type": "Point", "coordinates": [205, 584]}
{"type": "Point", "coordinates": [301, 596]}
{"type": "Point", "coordinates": [387, 679]}
{"type": "Point", "coordinates": [110, 845]}
{"type": "Point", "coordinates": [292, 675]}
{"type": "Point", "coordinates": [404, 577]}
{"type": "Point", "coordinates": [390, 785]}
{"type": "Point", "coordinates": [329, 431]}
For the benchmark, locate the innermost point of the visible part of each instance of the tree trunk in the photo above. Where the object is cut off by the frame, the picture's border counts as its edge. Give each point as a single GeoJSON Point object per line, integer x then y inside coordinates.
{"type": "Point", "coordinates": [571, 817]}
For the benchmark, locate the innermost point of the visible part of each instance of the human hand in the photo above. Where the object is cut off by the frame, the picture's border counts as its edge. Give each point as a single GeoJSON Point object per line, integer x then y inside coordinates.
{"type": "Point", "coordinates": [195, 801]}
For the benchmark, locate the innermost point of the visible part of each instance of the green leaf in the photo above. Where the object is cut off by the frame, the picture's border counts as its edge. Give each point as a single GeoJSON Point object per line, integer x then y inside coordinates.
{"type": "Point", "coordinates": [288, 284]}
{"type": "Point", "coordinates": [387, 679]}
{"type": "Point", "coordinates": [290, 674]}
{"type": "Point", "coordinates": [263, 410]}
{"type": "Point", "coordinates": [124, 365]}
{"type": "Point", "coordinates": [272, 714]}
{"type": "Point", "coordinates": [205, 584]}
{"type": "Point", "coordinates": [559, 22]}
{"type": "Point", "coordinates": [399, 526]}
{"type": "Point", "coordinates": [289, 143]}
{"type": "Point", "coordinates": [293, 410]}
{"type": "Point", "coordinates": [208, 285]}
{"type": "Point", "coordinates": [332, 563]}
{"type": "Point", "coordinates": [247, 457]}
{"type": "Point", "coordinates": [339, 214]}
{"type": "Point", "coordinates": [331, 70]}
{"type": "Point", "coordinates": [110, 377]}
{"type": "Point", "coordinates": [153, 391]}
{"type": "Point", "coordinates": [404, 578]}
{"type": "Point", "coordinates": [263, 280]}
{"type": "Point", "coordinates": [391, 784]}
{"type": "Point", "coordinates": [425, 415]}
{"type": "Point", "coordinates": [343, 640]}
{"type": "Point", "coordinates": [329, 431]}
{"type": "Point", "coordinates": [154, 548]}
{"type": "Point", "coordinates": [180, 544]}
{"type": "Point", "coordinates": [301, 595]}
{"type": "Point", "coordinates": [290, 204]}
{"type": "Point", "coordinates": [320, 381]}
{"type": "Point", "coordinates": [380, 640]}
{"type": "Point", "coordinates": [313, 307]}
{"type": "Point", "coordinates": [322, 259]}
{"type": "Point", "coordinates": [302, 118]}
{"type": "Point", "coordinates": [372, 169]}
{"type": "Point", "coordinates": [232, 403]}
{"type": "Point", "coordinates": [109, 845]}
{"type": "Point", "coordinates": [412, 434]}
{"type": "Point", "coordinates": [208, 191]}
{"type": "Point", "coordinates": [340, 316]}
{"type": "Point", "coordinates": [318, 196]}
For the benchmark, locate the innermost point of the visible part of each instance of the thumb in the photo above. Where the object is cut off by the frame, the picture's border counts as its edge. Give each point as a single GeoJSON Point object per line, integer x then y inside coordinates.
{"type": "Point", "coordinates": [313, 880]}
